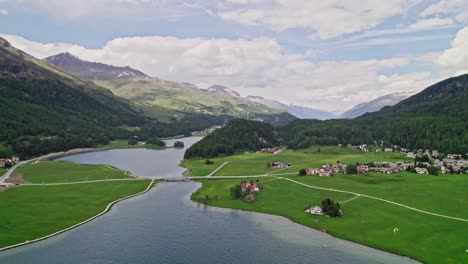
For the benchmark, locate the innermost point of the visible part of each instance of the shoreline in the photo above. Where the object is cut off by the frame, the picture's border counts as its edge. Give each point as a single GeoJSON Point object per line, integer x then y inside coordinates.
{"type": "Point", "coordinates": [106, 210]}
{"type": "Point", "coordinates": [290, 220]}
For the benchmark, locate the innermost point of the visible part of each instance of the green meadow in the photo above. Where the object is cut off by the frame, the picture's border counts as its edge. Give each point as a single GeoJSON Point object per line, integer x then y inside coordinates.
{"type": "Point", "coordinates": [123, 144]}
{"type": "Point", "coordinates": [31, 212]}
{"type": "Point", "coordinates": [256, 163]}
{"type": "Point", "coordinates": [62, 172]}
{"type": "Point", "coordinates": [425, 237]}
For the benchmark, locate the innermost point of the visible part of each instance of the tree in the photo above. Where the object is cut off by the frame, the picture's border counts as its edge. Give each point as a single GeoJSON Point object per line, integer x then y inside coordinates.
{"type": "Point", "coordinates": [132, 141]}
{"type": "Point", "coordinates": [433, 170]}
{"type": "Point", "coordinates": [302, 172]}
{"type": "Point", "coordinates": [331, 208]}
{"type": "Point", "coordinates": [351, 169]}
{"type": "Point", "coordinates": [178, 144]}
{"type": "Point", "coordinates": [156, 141]}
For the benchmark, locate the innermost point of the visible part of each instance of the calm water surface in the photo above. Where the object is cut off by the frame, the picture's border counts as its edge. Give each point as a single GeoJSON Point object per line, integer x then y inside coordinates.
{"type": "Point", "coordinates": [164, 226]}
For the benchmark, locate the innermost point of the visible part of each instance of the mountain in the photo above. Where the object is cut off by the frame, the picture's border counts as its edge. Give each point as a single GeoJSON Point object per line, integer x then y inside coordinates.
{"type": "Point", "coordinates": [86, 70]}
{"type": "Point", "coordinates": [435, 118]}
{"type": "Point", "coordinates": [222, 91]}
{"type": "Point", "coordinates": [298, 111]}
{"type": "Point", "coordinates": [168, 100]}
{"type": "Point", "coordinates": [45, 109]}
{"type": "Point", "coordinates": [237, 136]}
{"type": "Point", "coordinates": [376, 104]}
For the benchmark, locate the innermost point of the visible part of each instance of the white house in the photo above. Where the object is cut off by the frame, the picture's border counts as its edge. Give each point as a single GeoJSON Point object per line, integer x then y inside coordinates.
{"type": "Point", "coordinates": [315, 210]}
{"type": "Point", "coordinates": [421, 171]}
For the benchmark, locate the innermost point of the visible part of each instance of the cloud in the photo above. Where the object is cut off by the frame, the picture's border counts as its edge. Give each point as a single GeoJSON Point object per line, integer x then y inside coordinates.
{"type": "Point", "coordinates": [3, 12]}
{"type": "Point", "coordinates": [258, 66]}
{"type": "Point", "coordinates": [395, 40]}
{"type": "Point", "coordinates": [458, 8]}
{"type": "Point", "coordinates": [455, 58]}
{"type": "Point", "coordinates": [68, 9]}
{"type": "Point", "coordinates": [326, 18]}
{"type": "Point", "coordinates": [421, 25]}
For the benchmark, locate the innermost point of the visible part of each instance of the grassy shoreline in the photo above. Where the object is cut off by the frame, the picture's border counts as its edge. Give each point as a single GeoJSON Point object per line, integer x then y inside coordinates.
{"type": "Point", "coordinates": [33, 212]}
{"type": "Point", "coordinates": [369, 222]}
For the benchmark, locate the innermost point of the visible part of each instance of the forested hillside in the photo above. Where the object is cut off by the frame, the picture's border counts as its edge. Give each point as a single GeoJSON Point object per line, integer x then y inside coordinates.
{"type": "Point", "coordinates": [436, 118]}
{"type": "Point", "coordinates": [44, 109]}
{"type": "Point", "coordinates": [238, 135]}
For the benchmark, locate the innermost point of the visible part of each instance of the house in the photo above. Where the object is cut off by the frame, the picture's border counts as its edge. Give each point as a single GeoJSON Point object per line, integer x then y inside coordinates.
{"type": "Point", "coordinates": [454, 156]}
{"type": "Point", "coordinates": [249, 185]}
{"type": "Point", "coordinates": [388, 150]}
{"type": "Point", "coordinates": [421, 171]}
{"type": "Point", "coordinates": [362, 168]}
{"type": "Point", "coordinates": [280, 165]}
{"type": "Point", "coordinates": [411, 155]}
{"type": "Point", "coordinates": [270, 150]}
{"type": "Point", "coordinates": [315, 210]}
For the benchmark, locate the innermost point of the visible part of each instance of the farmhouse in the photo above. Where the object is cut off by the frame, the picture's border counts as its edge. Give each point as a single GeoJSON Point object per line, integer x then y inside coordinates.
{"type": "Point", "coordinates": [315, 210]}
{"type": "Point", "coordinates": [388, 150]}
{"type": "Point", "coordinates": [280, 165]}
{"type": "Point", "coordinates": [421, 171]}
{"type": "Point", "coordinates": [252, 186]}
{"type": "Point", "coordinates": [270, 150]}
{"type": "Point", "coordinates": [362, 168]}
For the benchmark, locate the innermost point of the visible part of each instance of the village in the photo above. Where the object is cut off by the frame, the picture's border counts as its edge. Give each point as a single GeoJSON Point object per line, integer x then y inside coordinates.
{"type": "Point", "coordinates": [8, 163]}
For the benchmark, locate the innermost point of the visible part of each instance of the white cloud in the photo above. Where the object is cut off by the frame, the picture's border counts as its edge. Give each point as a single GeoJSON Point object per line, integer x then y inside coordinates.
{"type": "Point", "coordinates": [71, 9]}
{"type": "Point", "coordinates": [395, 40]}
{"type": "Point", "coordinates": [326, 18]}
{"type": "Point", "coordinates": [3, 12]}
{"type": "Point", "coordinates": [257, 66]}
{"type": "Point", "coordinates": [455, 58]}
{"type": "Point", "coordinates": [459, 8]}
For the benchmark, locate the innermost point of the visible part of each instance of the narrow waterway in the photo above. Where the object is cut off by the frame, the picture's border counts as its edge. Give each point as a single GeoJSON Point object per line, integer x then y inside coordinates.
{"type": "Point", "coordinates": [164, 226]}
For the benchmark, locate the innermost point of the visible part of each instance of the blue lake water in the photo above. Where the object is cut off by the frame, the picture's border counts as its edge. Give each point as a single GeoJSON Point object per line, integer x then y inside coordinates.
{"type": "Point", "coordinates": [164, 226]}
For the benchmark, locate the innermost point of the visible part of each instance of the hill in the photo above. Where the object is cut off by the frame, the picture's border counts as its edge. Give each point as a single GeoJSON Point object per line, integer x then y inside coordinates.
{"type": "Point", "coordinates": [168, 100]}
{"type": "Point", "coordinates": [91, 70]}
{"type": "Point", "coordinates": [238, 135]}
{"type": "Point", "coordinates": [436, 118]}
{"type": "Point", "coordinates": [297, 111]}
{"type": "Point", "coordinates": [376, 104]}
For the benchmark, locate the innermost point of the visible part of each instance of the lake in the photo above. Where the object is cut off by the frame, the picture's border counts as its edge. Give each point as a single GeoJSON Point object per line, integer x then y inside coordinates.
{"type": "Point", "coordinates": [164, 226]}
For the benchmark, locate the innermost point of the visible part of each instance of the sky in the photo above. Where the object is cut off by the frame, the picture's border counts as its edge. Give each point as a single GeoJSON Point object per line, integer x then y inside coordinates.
{"type": "Point", "coordinates": [327, 54]}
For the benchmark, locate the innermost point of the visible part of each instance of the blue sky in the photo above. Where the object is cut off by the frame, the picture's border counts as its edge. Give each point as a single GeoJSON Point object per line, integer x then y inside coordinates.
{"type": "Point", "coordinates": [330, 54]}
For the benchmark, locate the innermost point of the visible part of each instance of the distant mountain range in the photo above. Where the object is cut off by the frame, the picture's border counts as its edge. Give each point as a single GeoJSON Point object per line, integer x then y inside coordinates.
{"type": "Point", "coordinates": [298, 111]}
{"type": "Point", "coordinates": [376, 104]}
{"type": "Point", "coordinates": [435, 118]}
{"type": "Point", "coordinates": [86, 70]}
{"type": "Point", "coordinates": [167, 100]}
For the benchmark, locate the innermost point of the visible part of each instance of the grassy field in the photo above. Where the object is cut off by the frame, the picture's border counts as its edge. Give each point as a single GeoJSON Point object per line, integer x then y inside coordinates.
{"type": "Point", "coordinates": [256, 163]}
{"type": "Point", "coordinates": [31, 212]}
{"type": "Point", "coordinates": [428, 238]}
{"type": "Point", "coordinates": [123, 144]}
{"type": "Point", "coordinates": [61, 172]}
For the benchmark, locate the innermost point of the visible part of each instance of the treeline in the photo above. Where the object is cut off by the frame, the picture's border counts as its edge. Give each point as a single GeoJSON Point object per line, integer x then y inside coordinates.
{"type": "Point", "coordinates": [436, 118]}
{"type": "Point", "coordinates": [237, 136]}
{"type": "Point", "coordinates": [43, 116]}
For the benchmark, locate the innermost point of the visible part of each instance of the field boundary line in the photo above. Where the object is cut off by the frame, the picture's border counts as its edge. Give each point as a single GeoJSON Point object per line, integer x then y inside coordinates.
{"type": "Point", "coordinates": [217, 169]}
{"type": "Point", "coordinates": [379, 199]}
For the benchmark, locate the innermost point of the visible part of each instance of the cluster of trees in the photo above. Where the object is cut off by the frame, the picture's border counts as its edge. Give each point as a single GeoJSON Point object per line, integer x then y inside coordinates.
{"type": "Point", "coordinates": [331, 208]}
{"type": "Point", "coordinates": [156, 141]}
{"type": "Point", "coordinates": [237, 136]}
{"type": "Point", "coordinates": [209, 162]}
{"type": "Point", "coordinates": [179, 144]}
